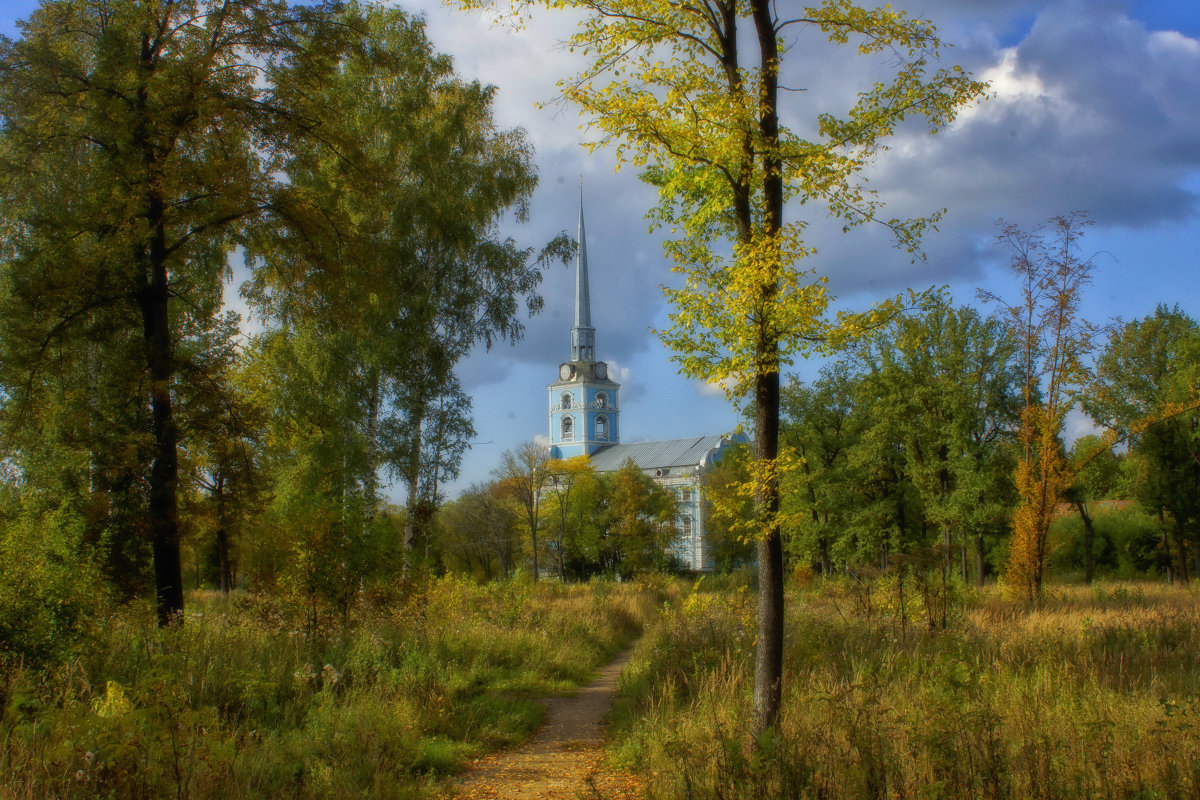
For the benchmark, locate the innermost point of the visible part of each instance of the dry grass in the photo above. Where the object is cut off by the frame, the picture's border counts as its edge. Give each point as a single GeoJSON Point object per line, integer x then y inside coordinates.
{"type": "Point", "coordinates": [1094, 694]}
{"type": "Point", "coordinates": [249, 699]}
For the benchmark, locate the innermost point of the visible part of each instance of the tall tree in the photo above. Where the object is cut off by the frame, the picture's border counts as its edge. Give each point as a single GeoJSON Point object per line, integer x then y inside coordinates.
{"type": "Point", "coordinates": [1053, 344]}
{"type": "Point", "coordinates": [945, 380]}
{"type": "Point", "coordinates": [401, 199]}
{"type": "Point", "coordinates": [674, 85]}
{"type": "Point", "coordinates": [561, 476]}
{"type": "Point", "coordinates": [136, 143]}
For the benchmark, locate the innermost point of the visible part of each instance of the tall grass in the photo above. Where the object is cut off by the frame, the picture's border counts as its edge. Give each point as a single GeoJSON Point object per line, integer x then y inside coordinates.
{"type": "Point", "coordinates": [1094, 695]}
{"type": "Point", "coordinates": [246, 699]}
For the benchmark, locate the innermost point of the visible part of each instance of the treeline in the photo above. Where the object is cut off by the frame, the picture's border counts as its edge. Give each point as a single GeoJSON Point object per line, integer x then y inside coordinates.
{"type": "Point", "coordinates": [906, 451]}
{"type": "Point", "coordinates": [147, 443]}
{"type": "Point", "coordinates": [561, 518]}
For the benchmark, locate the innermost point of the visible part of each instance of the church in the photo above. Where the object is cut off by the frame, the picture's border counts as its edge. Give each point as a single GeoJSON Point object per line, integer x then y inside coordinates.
{"type": "Point", "coordinates": [584, 414]}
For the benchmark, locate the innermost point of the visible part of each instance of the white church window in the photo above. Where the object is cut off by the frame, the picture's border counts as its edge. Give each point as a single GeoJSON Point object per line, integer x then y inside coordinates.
{"type": "Point", "coordinates": [686, 526]}
{"type": "Point", "coordinates": [565, 400]}
{"type": "Point", "coordinates": [601, 400]}
{"type": "Point", "coordinates": [568, 429]}
{"type": "Point", "coordinates": [602, 427]}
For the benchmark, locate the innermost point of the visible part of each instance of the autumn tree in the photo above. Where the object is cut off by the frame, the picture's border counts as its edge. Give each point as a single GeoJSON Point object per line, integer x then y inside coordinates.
{"type": "Point", "coordinates": [641, 521]}
{"type": "Point", "coordinates": [688, 90]}
{"type": "Point", "coordinates": [522, 476]}
{"type": "Point", "coordinates": [1053, 343]}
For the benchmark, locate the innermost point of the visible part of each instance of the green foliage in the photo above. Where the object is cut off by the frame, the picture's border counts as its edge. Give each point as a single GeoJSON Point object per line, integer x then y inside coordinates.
{"type": "Point", "coordinates": [1147, 390]}
{"type": "Point", "coordinates": [903, 446]}
{"type": "Point", "coordinates": [1127, 543]}
{"type": "Point", "coordinates": [51, 590]}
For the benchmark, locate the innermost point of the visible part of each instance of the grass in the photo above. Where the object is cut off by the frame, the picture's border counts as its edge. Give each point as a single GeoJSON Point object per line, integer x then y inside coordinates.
{"type": "Point", "coordinates": [247, 700]}
{"type": "Point", "coordinates": [1096, 694]}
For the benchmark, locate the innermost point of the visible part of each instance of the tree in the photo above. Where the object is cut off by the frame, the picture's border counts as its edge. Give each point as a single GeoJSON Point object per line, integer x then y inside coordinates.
{"type": "Point", "coordinates": [1097, 474]}
{"type": "Point", "coordinates": [728, 510]}
{"type": "Point", "coordinates": [1053, 345]}
{"type": "Point", "coordinates": [481, 531]}
{"type": "Point", "coordinates": [705, 125]}
{"type": "Point", "coordinates": [1145, 391]}
{"type": "Point", "coordinates": [641, 520]}
{"type": "Point", "coordinates": [522, 476]}
{"type": "Point", "coordinates": [137, 143]}
{"type": "Point", "coordinates": [818, 423]}
{"type": "Point", "coordinates": [944, 379]}
{"type": "Point", "coordinates": [561, 476]}
{"type": "Point", "coordinates": [223, 431]}
{"type": "Point", "coordinates": [400, 200]}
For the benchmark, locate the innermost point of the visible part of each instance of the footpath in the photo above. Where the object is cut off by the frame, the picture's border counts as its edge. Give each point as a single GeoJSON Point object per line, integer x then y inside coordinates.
{"type": "Point", "coordinates": [564, 760]}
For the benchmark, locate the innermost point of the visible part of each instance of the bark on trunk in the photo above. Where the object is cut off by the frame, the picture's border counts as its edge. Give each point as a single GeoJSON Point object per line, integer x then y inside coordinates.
{"type": "Point", "coordinates": [1089, 542]}
{"type": "Point", "coordinates": [164, 471]}
{"type": "Point", "coordinates": [979, 565]}
{"type": "Point", "coordinates": [768, 662]}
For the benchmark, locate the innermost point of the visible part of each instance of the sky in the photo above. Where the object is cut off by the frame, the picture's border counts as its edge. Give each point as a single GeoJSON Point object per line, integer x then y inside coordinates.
{"type": "Point", "coordinates": [1095, 106]}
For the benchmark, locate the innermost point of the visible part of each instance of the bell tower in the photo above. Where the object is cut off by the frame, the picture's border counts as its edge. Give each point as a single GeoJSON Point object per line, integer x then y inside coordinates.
{"type": "Point", "coordinates": [583, 401]}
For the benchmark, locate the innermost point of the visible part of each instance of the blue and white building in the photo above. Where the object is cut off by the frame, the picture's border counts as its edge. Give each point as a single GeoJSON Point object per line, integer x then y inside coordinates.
{"type": "Point", "coordinates": [584, 411]}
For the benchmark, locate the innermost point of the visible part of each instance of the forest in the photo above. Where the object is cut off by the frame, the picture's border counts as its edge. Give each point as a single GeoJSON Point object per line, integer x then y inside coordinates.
{"type": "Point", "coordinates": [205, 592]}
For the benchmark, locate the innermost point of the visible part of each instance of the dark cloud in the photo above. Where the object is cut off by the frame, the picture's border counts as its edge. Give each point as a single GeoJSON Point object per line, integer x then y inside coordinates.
{"type": "Point", "coordinates": [1092, 111]}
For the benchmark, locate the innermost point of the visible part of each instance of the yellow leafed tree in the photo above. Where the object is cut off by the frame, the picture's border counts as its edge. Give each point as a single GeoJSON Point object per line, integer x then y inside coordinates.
{"type": "Point", "coordinates": [688, 91]}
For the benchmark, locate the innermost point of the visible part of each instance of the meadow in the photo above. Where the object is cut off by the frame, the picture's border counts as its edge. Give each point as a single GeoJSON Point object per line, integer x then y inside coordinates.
{"type": "Point", "coordinates": [250, 698]}
{"type": "Point", "coordinates": [1094, 694]}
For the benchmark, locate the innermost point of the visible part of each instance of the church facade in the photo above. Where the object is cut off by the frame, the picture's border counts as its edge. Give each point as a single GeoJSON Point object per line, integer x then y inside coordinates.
{"type": "Point", "coordinates": [584, 416]}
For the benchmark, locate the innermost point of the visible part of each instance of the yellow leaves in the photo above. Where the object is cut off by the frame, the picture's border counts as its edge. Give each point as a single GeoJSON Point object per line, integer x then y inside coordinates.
{"type": "Point", "coordinates": [113, 704]}
{"type": "Point", "coordinates": [764, 476]}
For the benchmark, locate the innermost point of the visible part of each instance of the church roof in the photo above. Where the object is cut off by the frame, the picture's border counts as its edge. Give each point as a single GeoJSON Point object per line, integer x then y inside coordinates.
{"type": "Point", "coordinates": [671, 453]}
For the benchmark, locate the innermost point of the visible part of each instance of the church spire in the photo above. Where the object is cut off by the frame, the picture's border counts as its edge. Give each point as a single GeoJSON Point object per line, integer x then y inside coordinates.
{"type": "Point", "coordinates": [583, 335]}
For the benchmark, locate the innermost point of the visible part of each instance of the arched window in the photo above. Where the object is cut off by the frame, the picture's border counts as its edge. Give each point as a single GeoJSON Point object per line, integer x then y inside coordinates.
{"type": "Point", "coordinates": [565, 400]}
{"type": "Point", "coordinates": [568, 428]}
{"type": "Point", "coordinates": [602, 428]}
{"type": "Point", "coordinates": [601, 400]}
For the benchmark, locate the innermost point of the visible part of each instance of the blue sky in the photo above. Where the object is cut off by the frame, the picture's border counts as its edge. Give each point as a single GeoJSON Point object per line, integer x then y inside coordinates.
{"type": "Point", "coordinates": [1096, 107]}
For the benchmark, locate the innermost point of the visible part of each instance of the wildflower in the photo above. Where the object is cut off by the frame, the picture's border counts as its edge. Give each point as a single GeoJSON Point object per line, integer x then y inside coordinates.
{"type": "Point", "coordinates": [306, 674]}
{"type": "Point", "coordinates": [330, 676]}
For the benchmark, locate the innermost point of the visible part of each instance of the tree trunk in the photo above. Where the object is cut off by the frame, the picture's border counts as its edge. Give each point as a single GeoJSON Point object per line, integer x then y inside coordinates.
{"type": "Point", "coordinates": [224, 570]}
{"type": "Point", "coordinates": [164, 472]}
{"type": "Point", "coordinates": [768, 661]}
{"type": "Point", "coordinates": [1089, 542]}
{"type": "Point", "coordinates": [372, 467]}
{"type": "Point", "coordinates": [979, 560]}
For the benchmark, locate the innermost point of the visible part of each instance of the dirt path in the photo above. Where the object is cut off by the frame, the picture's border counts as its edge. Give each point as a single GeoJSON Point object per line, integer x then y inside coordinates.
{"type": "Point", "coordinates": [563, 761]}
